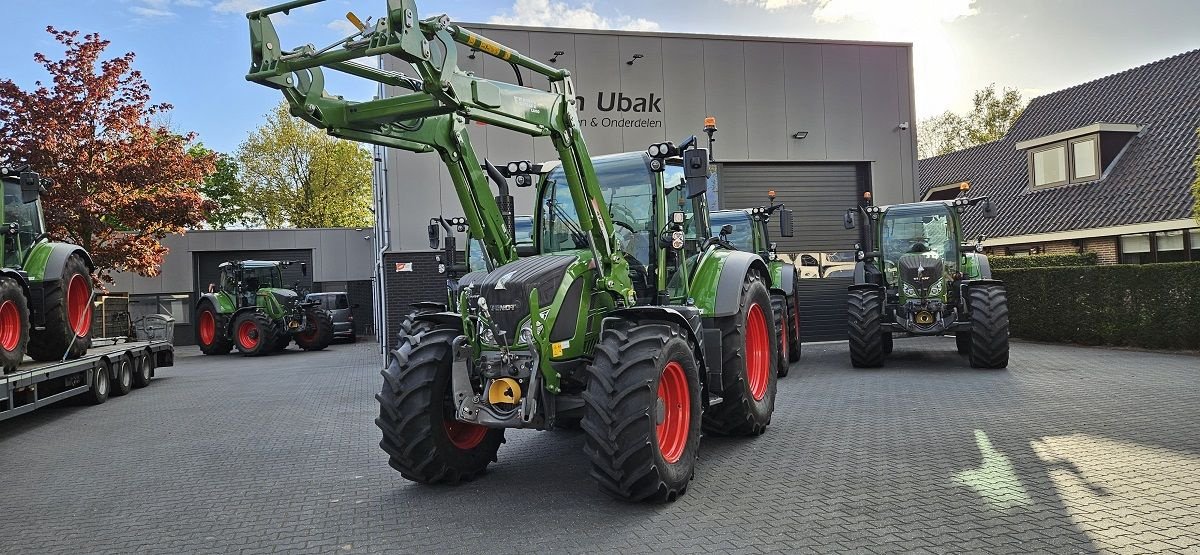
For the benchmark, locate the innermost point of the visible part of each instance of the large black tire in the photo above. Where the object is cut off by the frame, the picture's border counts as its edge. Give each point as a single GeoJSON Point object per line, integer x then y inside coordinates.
{"type": "Point", "coordinates": [212, 330]}
{"type": "Point", "coordinates": [866, 335]}
{"type": "Point", "coordinates": [416, 414]}
{"type": "Point", "coordinates": [642, 375]}
{"type": "Point", "coordinates": [888, 343]}
{"type": "Point", "coordinates": [962, 341]}
{"type": "Point", "coordinates": [254, 334]}
{"type": "Point", "coordinates": [794, 348]}
{"type": "Point", "coordinates": [779, 310]}
{"type": "Point", "coordinates": [748, 397]}
{"type": "Point", "coordinates": [68, 315]}
{"type": "Point", "coordinates": [320, 334]}
{"type": "Point", "coordinates": [988, 307]}
{"type": "Point", "coordinates": [14, 325]}
{"type": "Point", "coordinates": [122, 373]}
{"type": "Point", "coordinates": [282, 340]}
{"type": "Point", "coordinates": [143, 369]}
{"type": "Point", "coordinates": [101, 383]}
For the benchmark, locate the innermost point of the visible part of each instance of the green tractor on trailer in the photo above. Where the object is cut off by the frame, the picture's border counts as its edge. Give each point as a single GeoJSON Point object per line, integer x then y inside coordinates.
{"type": "Point", "coordinates": [746, 230]}
{"type": "Point", "coordinates": [45, 287]}
{"type": "Point", "coordinates": [252, 310]}
{"type": "Point", "coordinates": [630, 318]}
{"type": "Point", "coordinates": [917, 275]}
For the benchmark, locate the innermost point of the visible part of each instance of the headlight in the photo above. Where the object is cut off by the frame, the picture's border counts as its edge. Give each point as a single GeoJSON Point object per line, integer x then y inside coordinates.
{"type": "Point", "coordinates": [936, 289]}
{"type": "Point", "coordinates": [909, 291]}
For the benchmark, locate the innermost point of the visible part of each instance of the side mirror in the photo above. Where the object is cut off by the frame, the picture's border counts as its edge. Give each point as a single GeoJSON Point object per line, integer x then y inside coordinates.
{"type": "Point", "coordinates": [850, 219]}
{"type": "Point", "coordinates": [726, 230]}
{"type": "Point", "coordinates": [31, 186]}
{"type": "Point", "coordinates": [989, 211]}
{"type": "Point", "coordinates": [212, 288]}
{"type": "Point", "coordinates": [695, 170]}
{"type": "Point", "coordinates": [435, 236]}
{"type": "Point", "coordinates": [787, 225]}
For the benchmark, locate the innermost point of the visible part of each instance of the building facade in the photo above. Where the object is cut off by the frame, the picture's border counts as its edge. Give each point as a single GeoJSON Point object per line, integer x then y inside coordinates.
{"type": "Point", "coordinates": [819, 122]}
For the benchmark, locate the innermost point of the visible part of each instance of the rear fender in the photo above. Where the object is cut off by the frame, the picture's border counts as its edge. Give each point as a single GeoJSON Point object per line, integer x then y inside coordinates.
{"type": "Point", "coordinates": [46, 261]}
{"type": "Point", "coordinates": [221, 302]}
{"type": "Point", "coordinates": [717, 288]}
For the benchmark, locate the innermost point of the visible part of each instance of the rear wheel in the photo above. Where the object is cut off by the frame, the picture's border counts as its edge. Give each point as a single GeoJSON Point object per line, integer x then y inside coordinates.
{"type": "Point", "coordinates": [779, 308]}
{"type": "Point", "coordinates": [749, 372]}
{"type": "Point", "coordinates": [989, 326]}
{"type": "Point", "coordinates": [254, 334]}
{"type": "Point", "coordinates": [14, 324]}
{"type": "Point", "coordinates": [68, 315]}
{"type": "Point", "coordinates": [122, 375]}
{"type": "Point", "coordinates": [320, 332]}
{"type": "Point", "coordinates": [423, 439]}
{"type": "Point", "coordinates": [642, 413]}
{"type": "Point", "coordinates": [866, 335]}
{"type": "Point", "coordinates": [794, 346]}
{"type": "Point", "coordinates": [211, 330]}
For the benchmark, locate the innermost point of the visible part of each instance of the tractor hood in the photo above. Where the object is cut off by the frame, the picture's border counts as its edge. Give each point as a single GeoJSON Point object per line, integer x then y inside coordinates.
{"type": "Point", "coordinates": [286, 297]}
{"type": "Point", "coordinates": [506, 291]}
{"type": "Point", "coordinates": [921, 275]}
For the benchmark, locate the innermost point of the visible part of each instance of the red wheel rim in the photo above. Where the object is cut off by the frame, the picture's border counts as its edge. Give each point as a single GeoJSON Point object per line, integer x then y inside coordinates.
{"type": "Point", "coordinates": [208, 327]}
{"type": "Point", "coordinates": [79, 305]}
{"type": "Point", "coordinates": [674, 412]}
{"type": "Point", "coordinates": [10, 326]}
{"type": "Point", "coordinates": [248, 335]}
{"type": "Point", "coordinates": [463, 435]}
{"type": "Point", "coordinates": [758, 347]}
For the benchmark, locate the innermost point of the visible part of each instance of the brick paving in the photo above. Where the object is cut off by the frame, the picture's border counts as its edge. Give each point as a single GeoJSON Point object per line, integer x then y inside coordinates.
{"type": "Point", "coordinates": [1069, 450]}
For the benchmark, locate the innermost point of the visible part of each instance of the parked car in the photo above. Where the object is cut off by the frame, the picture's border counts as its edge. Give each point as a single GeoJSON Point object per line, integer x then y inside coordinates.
{"type": "Point", "coordinates": [340, 309]}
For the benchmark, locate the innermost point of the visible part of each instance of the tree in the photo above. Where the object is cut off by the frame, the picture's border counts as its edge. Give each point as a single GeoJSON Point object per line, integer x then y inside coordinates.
{"type": "Point", "coordinates": [121, 182]}
{"type": "Point", "coordinates": [296, 175]}
{"type": "Point", "coordinates": [223, 189]}
{"type": "Point", "coordinates": [990, 118]}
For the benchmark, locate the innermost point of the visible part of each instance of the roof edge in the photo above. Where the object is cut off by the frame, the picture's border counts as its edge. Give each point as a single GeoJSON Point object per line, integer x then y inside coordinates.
{"type": "Point", "coordinates": [678, 35]}
{"type": "Point", "coordinates": [1143, 227]}
{"type": "Point", "coordinates": [1098, 127]}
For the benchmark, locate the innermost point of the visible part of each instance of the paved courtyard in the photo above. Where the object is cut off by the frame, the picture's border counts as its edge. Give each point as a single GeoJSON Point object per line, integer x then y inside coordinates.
{"type": "Point", "coordinates": [1069, 450]}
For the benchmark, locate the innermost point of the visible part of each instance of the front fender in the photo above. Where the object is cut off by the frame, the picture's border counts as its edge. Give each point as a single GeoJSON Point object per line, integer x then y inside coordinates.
{"type": "Point", "coordinates": [440, 319]}
{"type": "Point", "coordinates": [783, 277]}
{"type": "Point", "coordinates": [689, 321]}
{"type": "Point", "coordinates": [717, 287]}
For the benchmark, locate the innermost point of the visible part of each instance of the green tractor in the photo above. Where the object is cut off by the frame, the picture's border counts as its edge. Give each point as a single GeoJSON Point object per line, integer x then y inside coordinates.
{"type": "Point", "coordinates": [917, 275]}
{"type": "Point", "coordinates": [629, 321]}
{"type": "Point", "coordinates": [45, 287]}
{"type": "Point", "coordinates": [746, 230]}
{"type": "Point", "coordinates": [253, 311]}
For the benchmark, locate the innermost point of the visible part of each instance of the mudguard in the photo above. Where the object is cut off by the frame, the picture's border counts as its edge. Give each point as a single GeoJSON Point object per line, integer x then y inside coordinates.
{"type": "Point", "coordinates": [447, 319]}
{"type": "Point", "coordinates": [783, 278]}
{"type": "Point", "coordinates": [977, 266]}
{"type": "Point", "coordinates": [18, 277]}
{"type": "Point", "coordinates": [46, 261]}
{"type": "Point", "coordinates": [718, 282]}
{"type": "Point", "coordinates": [689, 320]}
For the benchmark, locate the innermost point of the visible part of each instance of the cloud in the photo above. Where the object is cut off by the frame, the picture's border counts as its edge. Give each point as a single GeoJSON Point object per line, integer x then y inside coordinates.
{"type": "Point", "coordinates": [342, 26]}
{"type": "Point", "coordinates": [769, 5]}
{"type": "Point", "coordinates": [240, 7]}
{"type": "Point", "coordinates": [150, 12]}
{"type": "Point", "coordinates": [894, 11]}
{"type": "Point", "coordinates": [193, 3]}
{"type": "Point", "coordinates": [549, 13]}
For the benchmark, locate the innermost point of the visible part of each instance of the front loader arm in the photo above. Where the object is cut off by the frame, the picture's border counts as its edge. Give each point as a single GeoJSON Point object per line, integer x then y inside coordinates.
{"type": "Point", "coordinates": [435, 112]}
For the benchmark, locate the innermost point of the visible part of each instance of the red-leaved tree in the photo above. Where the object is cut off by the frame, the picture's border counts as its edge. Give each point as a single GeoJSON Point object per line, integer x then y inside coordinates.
{"type": "Point", "coordinates": [122, 182]}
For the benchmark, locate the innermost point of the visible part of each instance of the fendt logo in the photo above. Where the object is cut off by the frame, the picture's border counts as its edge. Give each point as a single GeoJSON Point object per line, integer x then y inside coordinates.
{"type": "Point", "coordinates": [618, 102]}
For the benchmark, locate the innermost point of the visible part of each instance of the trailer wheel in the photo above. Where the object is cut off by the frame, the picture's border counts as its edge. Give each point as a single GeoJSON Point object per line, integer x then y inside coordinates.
{"type": "Point", "coordinates": [989, 326]}
{"type": "Point", "coordinates": [794, 348]}
{"type": "Point", "coordinates": [212, 330]}
{"type": "Point", "coordinates": [144, 369]}
{"type": "Point", "coordinates": [779, 308]}
{"type": "Point", "coordinates": [68, 315]}
{"type": "Point", "coordinates": [866, 335]}
{"type": "Point", "coordinates": [747, 345]}
{"type": "Point", "coordinates": [642, 413]}
{"type": "Point", "coordinates": [122, 374]}
{"type": "Point", "coordinates": [14, 324]}
{"type": "Point", "coordinates": [423, 439]}
{"type": "Point", "coordinates": [320, 334]}
{"type": "Point", "coordinates": [101, 383]}
{"type": "Point", "coordinates": [254, 333]}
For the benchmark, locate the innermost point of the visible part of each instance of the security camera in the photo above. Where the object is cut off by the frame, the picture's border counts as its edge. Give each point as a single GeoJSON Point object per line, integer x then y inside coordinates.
{"type": "Point", "coordinates": [903, 126]}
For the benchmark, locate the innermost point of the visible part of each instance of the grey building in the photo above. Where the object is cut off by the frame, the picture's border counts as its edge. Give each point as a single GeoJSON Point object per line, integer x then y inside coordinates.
{"type": "Point", "coordinates": [335, 260]}
{"type": "Point", "coordinates": [819, 122]}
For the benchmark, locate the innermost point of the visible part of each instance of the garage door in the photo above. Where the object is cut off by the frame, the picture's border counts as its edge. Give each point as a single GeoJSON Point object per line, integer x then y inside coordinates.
{"type": "Point", "coordinates": [207, 262]}
{"type": "Point", "coordinates": [819, 194]}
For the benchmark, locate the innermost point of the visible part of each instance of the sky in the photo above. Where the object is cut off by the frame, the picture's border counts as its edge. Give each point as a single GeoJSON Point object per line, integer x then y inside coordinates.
{"type": "Point", "coordinates": [194, 53]}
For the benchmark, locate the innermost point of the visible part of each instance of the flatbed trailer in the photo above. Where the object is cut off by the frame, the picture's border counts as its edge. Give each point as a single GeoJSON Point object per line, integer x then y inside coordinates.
{"type": "Point", "coordinates": [103, 370]}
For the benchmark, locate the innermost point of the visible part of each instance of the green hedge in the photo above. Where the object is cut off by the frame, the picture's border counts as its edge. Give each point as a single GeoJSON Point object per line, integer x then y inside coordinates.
{"type": "Point", "coordinates": [1154, 306]}
{"type": "Point", "coordinates": [1042, 261]}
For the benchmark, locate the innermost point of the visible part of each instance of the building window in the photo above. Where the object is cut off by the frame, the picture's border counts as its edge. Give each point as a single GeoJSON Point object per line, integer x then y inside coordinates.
{"type": "Point", "coordinates": [1135, 249]}
{"type": "Point", "coordinates": [1194, 241]}
{"type": "Point", "coordinates": [1049, 166]}
{"type": "Point", "coordinates": [1084, 165]}
{"type": "Point", "coordinates": [947, 192]}
{"type": "Point", "coordinates": [1169, 247]}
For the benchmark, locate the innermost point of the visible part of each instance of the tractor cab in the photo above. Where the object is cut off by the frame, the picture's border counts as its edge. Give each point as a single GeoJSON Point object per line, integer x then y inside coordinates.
{"type": "Point", "coordinates": [918, 248]}
{"type": "Point", "coordinates": [246, 281]}
{"type": "Point", "coordinates": [22, 221]}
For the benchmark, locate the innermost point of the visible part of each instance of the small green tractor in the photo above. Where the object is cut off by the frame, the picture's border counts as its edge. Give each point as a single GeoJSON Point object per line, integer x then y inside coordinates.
{"type": "Point", "coordinates": [252, 310]}
{"type": "Point", "coordinates": [628, 320]}
{"type": "Point", "coordinates": [746, 230]}
{"type": "Point", "coordinates": [917, 275]}
{"type": "Point", "coordinates": [45, 287]}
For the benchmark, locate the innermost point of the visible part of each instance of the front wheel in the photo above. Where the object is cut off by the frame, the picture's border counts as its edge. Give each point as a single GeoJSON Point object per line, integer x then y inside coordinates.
{"type": "Point", "coordinates": [748, 345]}
{"type": "Point", "coordinates": [254, 334]}
{"type": "Point", "coordinates": [865, 329]}
{"type": "Point", "coordinates": [962, 341]}
{"type": "Point", "coordinates": [423, 439]}
{"type": "Point", "coordinates": [794, 346]}
{"type": "Point", "coordinates": [989, 326]}
{"type": "Point", "coordinates": [320, 330]}
{"type": "Point", "coordinates": [14, 325]}
{"type": "Point", "coordinates": [642, 413]}
{"type": "Point", "coordinates": [779, 308]}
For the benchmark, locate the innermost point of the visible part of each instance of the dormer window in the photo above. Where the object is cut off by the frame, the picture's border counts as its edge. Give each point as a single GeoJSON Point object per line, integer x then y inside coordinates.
{"type": "Point", "coordinates": [1076, 156]}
